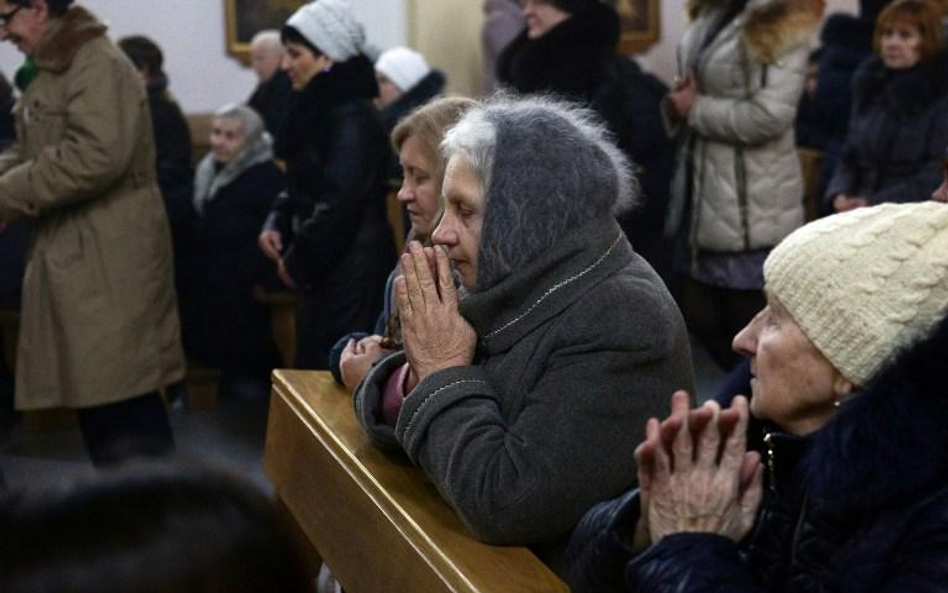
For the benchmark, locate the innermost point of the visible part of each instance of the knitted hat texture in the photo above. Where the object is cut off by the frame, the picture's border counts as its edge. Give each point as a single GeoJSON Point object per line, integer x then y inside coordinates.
{"type": "Point", "coordinates": [331, 27]}
{"type": "Point", "coordinates": [864, 284]}
{"type": "Point", "coordinates": [403, 66]}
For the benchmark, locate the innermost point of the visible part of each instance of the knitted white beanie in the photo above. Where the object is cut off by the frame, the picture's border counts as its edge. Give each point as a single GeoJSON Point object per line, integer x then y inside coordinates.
{"type": "Point", "coordinates": [403, 66]}
{"type": "Point", "coordinates": [331, 27]}
{"type": "Point", "coordinates": [864, 284]}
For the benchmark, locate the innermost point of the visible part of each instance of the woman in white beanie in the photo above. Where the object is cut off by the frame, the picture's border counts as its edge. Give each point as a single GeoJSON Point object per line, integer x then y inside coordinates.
{"type": "Point", "coordinates": [851, 395]}
{"type": "Point", "coordinates": [329, 233]}
{"type": "Point", "coordinates": [406, 81]}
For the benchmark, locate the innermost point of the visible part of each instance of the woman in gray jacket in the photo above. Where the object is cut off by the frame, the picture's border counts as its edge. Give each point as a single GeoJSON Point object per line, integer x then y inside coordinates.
{"type": "Point", "coordinates": [738, 188]}
{"type": "Point", "coordinates": [515, 394]}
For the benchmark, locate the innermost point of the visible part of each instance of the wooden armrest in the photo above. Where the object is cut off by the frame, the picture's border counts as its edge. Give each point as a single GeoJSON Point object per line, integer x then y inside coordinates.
{"type": "Point", "coordinates": [376, 519]}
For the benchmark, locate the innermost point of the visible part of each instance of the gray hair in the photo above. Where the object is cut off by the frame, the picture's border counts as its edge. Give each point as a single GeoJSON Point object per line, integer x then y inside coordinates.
{"type": "Point", "coordinates": [252, 123]}
{"type": "Point", "coordinates": [546, 168]}
{"type": "Point", "coordinates": [268, 38]}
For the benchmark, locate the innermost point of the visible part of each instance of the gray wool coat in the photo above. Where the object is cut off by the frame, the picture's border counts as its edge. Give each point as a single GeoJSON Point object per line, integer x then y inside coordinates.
{"type": "Point", "coordinates": [575, 353]}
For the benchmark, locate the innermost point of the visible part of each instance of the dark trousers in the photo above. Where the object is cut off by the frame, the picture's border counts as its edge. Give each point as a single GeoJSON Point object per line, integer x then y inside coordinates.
{"type": "Point", "coordinates": [136, 427]}
{"type": "Point", "coordinates": [715, 315]}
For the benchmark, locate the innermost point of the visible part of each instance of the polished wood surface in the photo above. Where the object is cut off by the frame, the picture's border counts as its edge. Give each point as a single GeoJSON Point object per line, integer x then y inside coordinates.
{"type": "Point", "coordinates": [376, 519]}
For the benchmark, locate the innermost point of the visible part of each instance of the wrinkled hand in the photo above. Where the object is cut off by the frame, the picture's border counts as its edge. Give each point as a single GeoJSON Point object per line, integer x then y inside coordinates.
{"type": "Point", "coordinates": [695, 474]}
{"type": "Point", "coordinates": [436, 336]}
{"type": "Point", "coordinates": [844, 203]}
{"type": "Point", "coordinates": [358, 357]}
{"type": "Point", "coordinates": [682, 97]}
{"type": "Point", "coordinates": [271, 242]}
{"type": "Point", "coordinates": [284, 275]}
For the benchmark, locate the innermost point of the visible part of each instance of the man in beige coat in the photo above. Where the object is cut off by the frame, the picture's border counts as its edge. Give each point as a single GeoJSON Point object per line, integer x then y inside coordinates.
{"type": "Point", "coordinates": [99, 330]}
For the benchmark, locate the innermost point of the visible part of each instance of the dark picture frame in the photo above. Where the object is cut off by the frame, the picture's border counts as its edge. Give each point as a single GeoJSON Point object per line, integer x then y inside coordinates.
{"type": "Point", "coordinates": [244, 18]}
{"type": "Point", "coordinates": [641, 24]}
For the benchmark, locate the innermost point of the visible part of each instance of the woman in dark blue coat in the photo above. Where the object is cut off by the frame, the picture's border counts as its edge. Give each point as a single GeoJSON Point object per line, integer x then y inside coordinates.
{"type": "Point", "coordinates": [852, 493]}
{"type": "Point", "coordinates": [235, 185]}
{"type": "Point", "coordinates": [329, 233]}
{"type": "Point", "coordinates": [899, 125]}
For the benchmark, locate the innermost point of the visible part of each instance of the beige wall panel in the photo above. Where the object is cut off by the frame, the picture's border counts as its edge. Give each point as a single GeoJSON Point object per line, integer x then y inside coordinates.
{"type": "Point", "coordinates": [447, 32]}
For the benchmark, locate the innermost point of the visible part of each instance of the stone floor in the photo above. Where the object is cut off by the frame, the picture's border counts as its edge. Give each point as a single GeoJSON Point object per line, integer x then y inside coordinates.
{"type": "Point", "coordinates": [230, 436]}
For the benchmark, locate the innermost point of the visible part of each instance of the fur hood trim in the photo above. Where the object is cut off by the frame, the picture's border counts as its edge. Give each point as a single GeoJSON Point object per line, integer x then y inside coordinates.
{"type": "Point", "coordinates": [889, 442]}
{"type": "Point", "coordinates": [771, 27]}
{"type": "Point", "coordinates": [64, 36]}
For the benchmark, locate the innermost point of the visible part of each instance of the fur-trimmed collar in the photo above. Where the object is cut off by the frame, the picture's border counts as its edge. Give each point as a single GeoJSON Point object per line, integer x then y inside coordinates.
{"type": "Point", "coordinates": [424, 90]}
{"type": "Point", "coordinates": [889, 443]}
{"type": "Point", "coordinates": [64, 36]}
{"type": "Point", "coordinates": [771, 27]}
{"type": "Point", "coordinates": [568, 59]}
{"type": "Point", "coordinates": [908, 93]}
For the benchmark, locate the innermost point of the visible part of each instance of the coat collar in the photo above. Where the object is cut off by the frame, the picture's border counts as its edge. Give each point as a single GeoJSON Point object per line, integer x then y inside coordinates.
{"type": "Point", "coordinates": [889, 442]}
{"type": "Point", "coordinates": [504, 314]}
{"type": "Point", "coordinates": [568, 59]}
{"type": "Point", "coordinates": [770, 27]}
{"type": "Point", "coordinates": [906, 93]}
{"type": "Point", "coordinates": [63, 38]}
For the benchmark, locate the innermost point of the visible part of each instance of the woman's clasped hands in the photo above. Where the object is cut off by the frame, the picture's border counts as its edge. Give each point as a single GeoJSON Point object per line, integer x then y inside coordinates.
{"type": "Point", "coordinates": [695, 473]}
{"type": "Point", "coordinates": [436, 336]}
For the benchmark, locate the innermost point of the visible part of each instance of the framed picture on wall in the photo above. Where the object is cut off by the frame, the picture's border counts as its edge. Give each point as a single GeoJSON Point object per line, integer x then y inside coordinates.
{"type": "Point", "coordinates": [641, 27]}
{"type": "Point", "coordinates": [244, 18]}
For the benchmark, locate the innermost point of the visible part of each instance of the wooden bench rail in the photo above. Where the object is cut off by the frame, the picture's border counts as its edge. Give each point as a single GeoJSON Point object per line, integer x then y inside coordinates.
{"type": "Point", "coordinates": [375, 518]}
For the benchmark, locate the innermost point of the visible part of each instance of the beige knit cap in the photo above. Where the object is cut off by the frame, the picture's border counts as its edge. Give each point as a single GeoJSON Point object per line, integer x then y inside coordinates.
{"type": "Point", "coordinates": [864, 284]}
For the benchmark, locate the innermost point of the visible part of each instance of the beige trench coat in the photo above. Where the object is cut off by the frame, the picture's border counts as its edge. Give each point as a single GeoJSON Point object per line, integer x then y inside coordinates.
{"type": "Point", "coordinates": [99, 321]}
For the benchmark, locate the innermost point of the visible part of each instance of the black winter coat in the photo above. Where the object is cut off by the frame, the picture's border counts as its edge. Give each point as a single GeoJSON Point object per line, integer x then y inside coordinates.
{"type": "Point", "coordinates": [898, 131]}
{"type": "Point", "coordinates": [860, 505]}
{"type": "Point", "coordinates": [272, 100]}
{"type": "Point", "coordinates": [226, 326]}
{"type": "Point", "coordinates": [336, 154]}
{"type": "Point", "coordinates": [577, 60]}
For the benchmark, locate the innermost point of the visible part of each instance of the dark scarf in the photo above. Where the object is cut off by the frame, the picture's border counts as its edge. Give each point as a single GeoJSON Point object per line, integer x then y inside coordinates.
{"type": "Point", "coordinates": [567, 60]}
{"type": "Point", "coordinates": [352, 80]}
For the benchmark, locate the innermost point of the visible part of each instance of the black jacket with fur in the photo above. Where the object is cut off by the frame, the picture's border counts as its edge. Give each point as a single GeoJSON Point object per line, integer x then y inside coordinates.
{"type": "Point", "coordinates": [895, 146]}
{"type": "Point", "coordinates": [577, 60]}
{"type": "Point", "coordinates": [861, 505]}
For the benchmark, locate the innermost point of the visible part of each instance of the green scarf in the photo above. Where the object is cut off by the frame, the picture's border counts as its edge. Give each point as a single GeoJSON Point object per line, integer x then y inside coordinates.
{"type": "Point", "coordinates": [25, 74]}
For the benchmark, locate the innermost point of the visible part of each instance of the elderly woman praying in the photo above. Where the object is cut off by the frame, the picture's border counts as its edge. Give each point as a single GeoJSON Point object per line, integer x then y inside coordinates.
{"type": "Point", "coordinates": [514, 392]}
{"type": "Point", "coordinates": [851, 396]}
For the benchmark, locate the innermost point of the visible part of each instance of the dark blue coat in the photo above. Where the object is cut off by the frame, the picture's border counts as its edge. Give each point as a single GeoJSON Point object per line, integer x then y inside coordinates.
{"type": "Point", "coordinates": [898, 132]}
{"type": "Point", "coordinates": [860, 505]}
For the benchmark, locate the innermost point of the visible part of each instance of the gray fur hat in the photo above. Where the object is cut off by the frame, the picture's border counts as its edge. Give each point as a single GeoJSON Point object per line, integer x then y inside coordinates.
{"type": "Point", "coordinates": [331, 27]}
{"type": "Point", "coordinates": [549, 167]}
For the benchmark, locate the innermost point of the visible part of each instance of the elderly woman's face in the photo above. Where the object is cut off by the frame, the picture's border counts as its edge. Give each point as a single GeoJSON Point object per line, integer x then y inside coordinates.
{"type": "Point", "coordinates": [794, 385]}
{"type": "Point", "coordinates": [541, 16]}
{"type": "Point", "coordinates": [460, 227]}
{"type": "Point", "coordinates": [421, 185]}
{"type": "Point", "coordinates": [227, 139]}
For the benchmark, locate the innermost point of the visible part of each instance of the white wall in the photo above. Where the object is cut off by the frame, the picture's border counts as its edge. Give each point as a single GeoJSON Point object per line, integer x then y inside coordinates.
{"type": "Point", "coordinates": [204, 77]}
{"type": "Point", "coordinates": [660, 59]}
{"type": "Point", "coordinates": [191, 35]}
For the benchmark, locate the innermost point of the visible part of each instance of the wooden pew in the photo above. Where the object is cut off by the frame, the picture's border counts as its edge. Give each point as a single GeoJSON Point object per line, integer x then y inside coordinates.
{"type": "Point", "coordinates": [375, 518]}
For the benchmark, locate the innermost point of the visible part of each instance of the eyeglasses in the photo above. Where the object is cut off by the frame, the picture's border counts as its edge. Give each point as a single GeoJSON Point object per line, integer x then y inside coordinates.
{"type": "Point", "coordinates": [6, 17]}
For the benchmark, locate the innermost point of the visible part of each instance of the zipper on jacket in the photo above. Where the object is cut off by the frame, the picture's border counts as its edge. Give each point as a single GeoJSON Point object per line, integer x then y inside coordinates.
{"type": "Point", "coordinates": [771, 462]}
{"type": "Point", "coordinates": [740, 177]}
